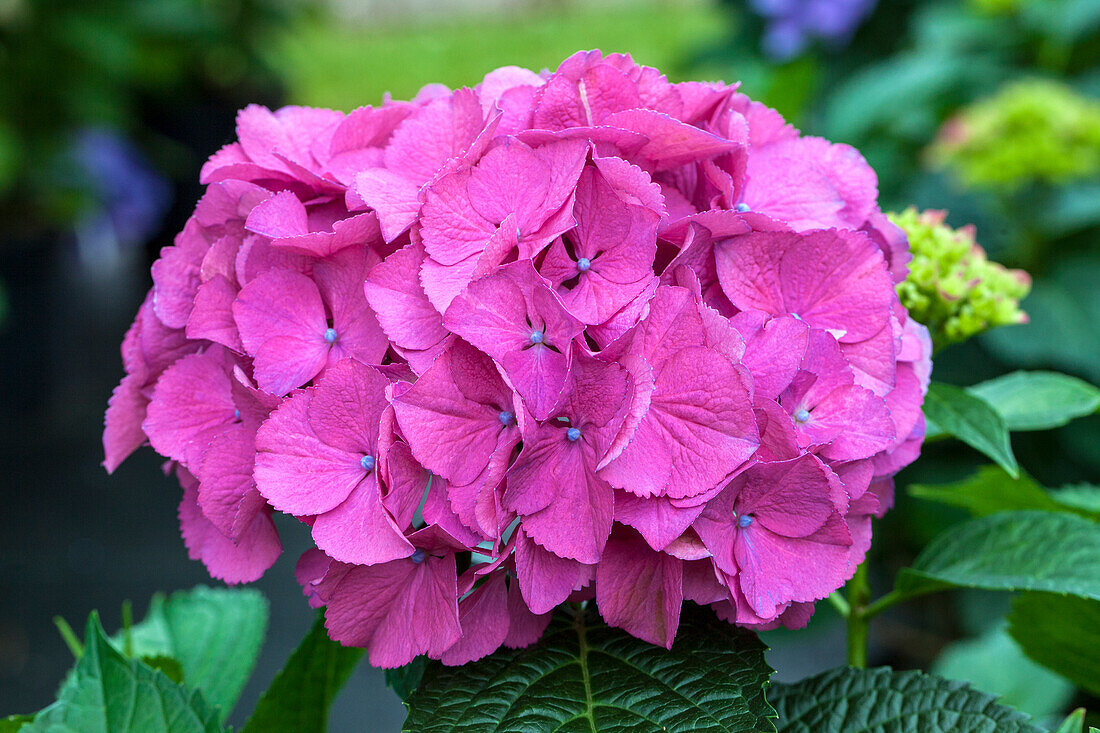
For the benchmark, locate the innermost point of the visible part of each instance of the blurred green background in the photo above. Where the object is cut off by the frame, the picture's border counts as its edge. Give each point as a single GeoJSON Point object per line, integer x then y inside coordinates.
{"type": "Point", "coordinates": [986, 108]}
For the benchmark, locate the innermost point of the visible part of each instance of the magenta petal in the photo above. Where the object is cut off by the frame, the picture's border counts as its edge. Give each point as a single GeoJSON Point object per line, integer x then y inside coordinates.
{"type": "Point", "coordinates": [360, 530]}
{"type": "Point", "coordinates": [393, 198]}
{"type": "Point", "coordinates": [295, 470]}
{"type": "Point", "coordinates": [566, 507]}
{"type": "Point", "coordinates": [234, 562]}
{"type": "Point", "coordinates": [212, 316]}
{"type": "Point", "coordinates": [514, 317]}
{"type": "Point", "coordinates": [449, 433]}
{"type": "Point", "coordinates": [282, 324]}
{"type": "Point", "coordinates": [397, 610]}
{"type": "Point", "coordinates": [546, 579]}
{"type": "Point", "coordinates": [811, 184]}
{"type": "Point", "coordinates": [671, 143]}
{"type": "Point", "coordinates": [393, 290]}
{"type": "Point", "coordinates": [658, 520]}
{"type": "Point", "coordinates": [775, 569]}
{"type": "Point", "coordinates": [833, 280]}
{"type": "Point", "coordinates": [790, 498]}
{"type": "Point", "coordinates": [699, 429]}
{"type": "Point", "coordinates": [282, 215]}
{"type": "Point", "coordinates": [524, 626]}
{"type": "Point", "coordinates": [639, 590]}
{"type": "Point", "coordinates": [484, 618]}
{"type": "Point", "coordinates": [122, 433]}
{"type": "Point", "coordinates": [191, 405]}
{"type": "Point", "coordinates": [227, 493]}
{"type": "Point", "coordinates": [773, 351]}
{"type": "Point", "coordinates": [860, 422]}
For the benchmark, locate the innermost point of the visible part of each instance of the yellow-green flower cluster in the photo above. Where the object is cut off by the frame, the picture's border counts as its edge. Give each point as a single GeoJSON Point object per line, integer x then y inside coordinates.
{"type": "Point", "coordinates": [952, 288]}
{"type": "Point", "coordinates": [1031, 131]}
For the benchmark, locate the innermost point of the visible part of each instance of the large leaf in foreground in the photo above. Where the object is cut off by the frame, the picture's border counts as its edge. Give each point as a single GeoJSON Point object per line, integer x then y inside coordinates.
{"type": "Point", "coordinates": [214, 633]}
{"type": "Point", "coordinates": [299, 699]}
{"type": "Point", "coordinates": [954, 411]}
{"type": "Point", "coordinates": [108, 693]}
{"type": "Point", "coordinates": [1011, 551]}
{"type": "Point", "coordinates": [584, 677]}
{"type": "Point", "coordinates": [1061, 633]}
{"type": "Point", "coordinates": [1038, 400]}
{"type": "Point", "coordinates": [848, 700]}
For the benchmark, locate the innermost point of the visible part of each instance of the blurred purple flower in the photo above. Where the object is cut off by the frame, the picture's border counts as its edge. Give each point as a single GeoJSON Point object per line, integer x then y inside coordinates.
{"type": "Point", "coordinates": [794, 24]}
{"type": "Point", "coordinates": [128, 198]}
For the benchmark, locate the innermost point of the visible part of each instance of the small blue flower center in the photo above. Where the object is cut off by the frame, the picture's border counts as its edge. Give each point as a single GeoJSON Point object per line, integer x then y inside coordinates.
{"type": "Point", "coordinates": [236, 414]}
{"type": "Point", "coordinates": [744, 520]}
{"type": "Point", "coordinates": [536, 337]}
{"type": "Point", "coordinates": [743, 207]}
{"type": "Point", "coordinates": [802, 415]}
{"type": "Point", "coordinates": [418, 556]}
{"type": "Point", "coordinates": [367, 462]}
{"type": "Point", "coordinates": [506, 418]}
{"type": "Point", "coordinates": [573, 434]}
{"type": "Point", "coordinates": [330, 335]}
{"type": "Point", "coordinates": [583, 264]}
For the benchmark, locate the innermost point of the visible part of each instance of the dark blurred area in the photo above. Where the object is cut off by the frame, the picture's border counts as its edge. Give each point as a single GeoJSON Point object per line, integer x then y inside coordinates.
{"type": "Point", "coordinates": [109, 108]}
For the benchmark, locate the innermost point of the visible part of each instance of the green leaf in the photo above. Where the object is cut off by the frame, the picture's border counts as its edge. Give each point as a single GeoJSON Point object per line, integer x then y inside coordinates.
{"type": "Point", "coordinates": [298, 700]}
{"type": "Point", "coordinates": [167, 665]}
{"type": "Point", "coordinates": [1080, 496]}
{"type": "Point", "coordinates": [991, 490]}
{"type": "Point", "coordinates": [1038, 400]}
{"type": "Point", "coordinates": [994, 663]}
{"type": "Point", "coordinates": [848, 700]}
{"type": "Point", "coordinates": [1061, 633]}
{"type": "Point", "coordinates": [214, 633]}
{"type": "Point", "coordinates": [404, 680]}
{"type": "Point", "coordinates": [972, 420]}
{"type": "Point", "coordinates": [1011, 551]}
{"type": "Point", "coordinates": [1075, 723]}
{"type": "Point", "coordinates": [111, 694]}
{"type": "Point", "coordinates": [584, 676]}
{"type": "Point", "coordinates": [14, 723]}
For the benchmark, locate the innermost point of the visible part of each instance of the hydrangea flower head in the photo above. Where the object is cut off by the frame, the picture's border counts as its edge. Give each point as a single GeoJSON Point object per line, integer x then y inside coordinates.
{"type": "Point", "coordinates": [1030, 131]}
{"type": "Point", "coordinates": [581, 334]}
{"type": "Point", "coordinates": [952, 287]}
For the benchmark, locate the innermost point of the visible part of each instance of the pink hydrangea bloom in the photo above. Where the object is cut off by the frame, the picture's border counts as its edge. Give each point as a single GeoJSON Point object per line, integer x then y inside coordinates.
{"type": "Point", "coordinates": [575, 335]}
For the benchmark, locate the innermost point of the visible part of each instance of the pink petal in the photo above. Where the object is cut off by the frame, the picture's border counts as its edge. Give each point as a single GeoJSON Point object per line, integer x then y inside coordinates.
{"type": "Point", "coordinates": [639, 590]}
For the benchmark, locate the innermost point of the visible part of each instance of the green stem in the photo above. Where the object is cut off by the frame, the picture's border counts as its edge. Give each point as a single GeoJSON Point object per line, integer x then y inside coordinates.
{"type": "Point", "coordinates": [890, 599]}
{"type": "Point", "coordinates": [840, 603]}
{"type": "Point", "coordinates": [859, 596]}
{"type": "Point", "coordinates": [127, 625]}
{"type": "Point", "coordinates": [69, 636]}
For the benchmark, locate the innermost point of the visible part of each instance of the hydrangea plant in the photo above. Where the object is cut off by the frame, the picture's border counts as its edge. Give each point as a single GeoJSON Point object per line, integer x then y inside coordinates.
{"type": "Point", "coordinates": [577, 379]}
{"type": "Point", "coordinates": [1033, 130]}
{"type": "Point", "coordinates": [952, 288]}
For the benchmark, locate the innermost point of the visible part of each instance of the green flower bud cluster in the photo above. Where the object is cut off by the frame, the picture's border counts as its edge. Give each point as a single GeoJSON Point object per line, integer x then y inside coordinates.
{"type": "Point", "coordinates": [952, 288]}
{"type": "Point", "coordinates": [1031, 131]}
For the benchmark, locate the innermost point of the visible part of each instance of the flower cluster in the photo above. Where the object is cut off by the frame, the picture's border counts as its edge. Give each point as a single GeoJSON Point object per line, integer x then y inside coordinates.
{"type": "Point", "coordinates": [1031, 131]}
{"type": "Point", "coordinates": [792, 25]}
{"type": "Point", "coordinates": [952, 288]}
{"type": "Point", "coordinates": [570, 335]}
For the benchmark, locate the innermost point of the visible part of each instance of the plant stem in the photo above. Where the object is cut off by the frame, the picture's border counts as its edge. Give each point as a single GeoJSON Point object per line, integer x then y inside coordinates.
{"type": "Point", "coordinates": [890, 599]}
{"type": "Point", "coordinates": [839, 603]}
{"type": "Point", "coordinates": [859, 595]}
{"type": "Point", "coordinates": [69, 637]}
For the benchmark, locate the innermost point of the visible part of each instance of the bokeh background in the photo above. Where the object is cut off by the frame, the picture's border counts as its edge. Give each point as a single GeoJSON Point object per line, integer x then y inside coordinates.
{"type": "Point", "coordinates": [986, 108]}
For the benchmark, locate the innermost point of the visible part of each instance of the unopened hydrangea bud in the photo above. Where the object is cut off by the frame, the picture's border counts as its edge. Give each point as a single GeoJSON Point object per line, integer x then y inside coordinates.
{"type": "Point", "coordinates": [952, 288]}
{"type": "Point", "coordinates": [1031, 131]}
